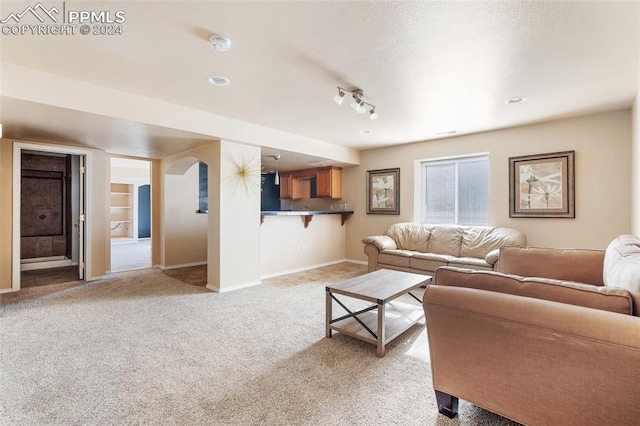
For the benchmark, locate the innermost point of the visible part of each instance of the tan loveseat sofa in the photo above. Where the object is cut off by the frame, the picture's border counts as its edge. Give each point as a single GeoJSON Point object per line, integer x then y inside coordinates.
{"type": "Point", "coordinates": [553, 338]}
{"type": "Point", "coordinates": [421, 248]}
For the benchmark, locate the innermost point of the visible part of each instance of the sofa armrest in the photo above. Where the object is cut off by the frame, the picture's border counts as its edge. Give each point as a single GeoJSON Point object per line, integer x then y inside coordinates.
{"type": "Point", "coordinates": [492, 257]}
{"type": "Point", "coordinates": [382, 242]}
{"type": "Point", "coordinates": [508, 353]}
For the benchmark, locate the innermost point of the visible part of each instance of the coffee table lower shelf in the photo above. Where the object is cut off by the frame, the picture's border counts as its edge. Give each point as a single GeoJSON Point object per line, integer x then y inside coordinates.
{"type": "Point", "coordinates": [398, 317]}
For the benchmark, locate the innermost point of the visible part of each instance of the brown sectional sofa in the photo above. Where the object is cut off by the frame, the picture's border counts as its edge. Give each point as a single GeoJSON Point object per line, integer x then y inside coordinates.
{"type": "Point", "coordinates": [422, 248]}
{"type": "Point", "coordinates": [552, 338]}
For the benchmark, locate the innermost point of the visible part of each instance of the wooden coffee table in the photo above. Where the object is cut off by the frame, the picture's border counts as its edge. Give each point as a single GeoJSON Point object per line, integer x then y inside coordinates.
{"type": "Point", "coordinates": [388, 319]}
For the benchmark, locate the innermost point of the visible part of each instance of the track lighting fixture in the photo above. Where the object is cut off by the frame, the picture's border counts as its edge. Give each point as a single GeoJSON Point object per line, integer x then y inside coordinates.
{"type": "Point", "coordinates": [358, 104]}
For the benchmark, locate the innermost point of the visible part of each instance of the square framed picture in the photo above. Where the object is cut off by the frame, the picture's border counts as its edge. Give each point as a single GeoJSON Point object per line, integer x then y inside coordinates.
{"type": "Point", "coordinates": [383, 191]}
{"type": "Point", "coordinates": [542, 185]}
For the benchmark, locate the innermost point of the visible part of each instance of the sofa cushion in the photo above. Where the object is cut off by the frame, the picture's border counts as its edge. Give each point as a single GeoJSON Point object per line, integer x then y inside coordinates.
{"type": "Point", "coordinates": [578, 265]}
{"type": "Point", "coordinates": [590, 296]}
{"type": "Point", "coordinates": [445, 239]}
{"type": "Point", "coordinates": [429, 261]}
{"type": "Point", "coordinates": [622, 267]}
{"type": "Point", "coordinates": [395, 257]}
{"type": "Point", "coordinates": [477, 241]}
{"type": "Point", "coordinates": [410, 236]}
{"type": "Point", "coordinates": [471, 263]}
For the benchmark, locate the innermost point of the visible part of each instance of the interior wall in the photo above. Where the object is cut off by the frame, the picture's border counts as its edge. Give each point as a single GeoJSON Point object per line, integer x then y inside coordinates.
{"type": "Point", "coordinates": [239, 243]}
{"type": "Point", "coordinates": [635, 160]}
{"type": "Point", "coordinates": [287, 246]}
{"type": "Point", "coordinates": [185, 230]}
{"type": "Point", "coordinates": [602, 143]}
{"type": "Point", "coordinates": [157, 232]}
{"type": "Point", "coordinates": [6, 214]}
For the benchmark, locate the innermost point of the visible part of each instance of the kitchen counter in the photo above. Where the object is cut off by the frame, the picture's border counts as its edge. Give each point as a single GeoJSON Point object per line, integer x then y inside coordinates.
{"type": "Point", "coordinates": [307, 215]}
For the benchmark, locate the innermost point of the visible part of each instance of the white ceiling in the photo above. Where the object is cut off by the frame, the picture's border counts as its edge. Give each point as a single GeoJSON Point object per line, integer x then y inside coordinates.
{"type": "Point", "coordinates": [428, 66]}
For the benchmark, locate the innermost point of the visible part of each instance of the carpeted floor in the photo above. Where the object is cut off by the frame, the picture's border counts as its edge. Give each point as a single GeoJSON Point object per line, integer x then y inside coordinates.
{"type": "Point", "coordinates": [144, 348]}
{"type": "Point", "coordinates": [128, 255]}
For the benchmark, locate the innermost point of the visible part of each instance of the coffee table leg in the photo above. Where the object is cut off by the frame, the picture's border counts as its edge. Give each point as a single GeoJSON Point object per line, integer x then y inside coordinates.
{"type": "Point", "coordinates": [329, 312]}
{"type": "Point", "coordinates": [381, 334]}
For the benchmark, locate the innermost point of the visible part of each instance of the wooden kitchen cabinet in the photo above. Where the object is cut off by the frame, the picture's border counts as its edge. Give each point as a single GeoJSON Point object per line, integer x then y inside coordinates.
{"type": "Point", "coordinates": [329, 182]}
{"type": "Point", "coordinates": [285, 186]}
{"type": "Point", "coordinates": [296, 185]}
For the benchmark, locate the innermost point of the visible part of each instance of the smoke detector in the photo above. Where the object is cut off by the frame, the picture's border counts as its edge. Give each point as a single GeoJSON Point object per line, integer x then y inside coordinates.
{"type": "Point", "coordinates": [220, 43]}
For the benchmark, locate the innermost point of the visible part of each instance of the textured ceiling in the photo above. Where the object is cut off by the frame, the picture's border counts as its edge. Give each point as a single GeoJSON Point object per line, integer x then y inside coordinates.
{"type": "Point", "coordinates": [429, 67]}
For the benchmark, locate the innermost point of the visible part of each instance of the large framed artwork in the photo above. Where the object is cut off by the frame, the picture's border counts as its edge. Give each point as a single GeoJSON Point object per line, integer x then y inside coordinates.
{"type": "Point", "coordinates": [383, 191]}
{"type": "Point", "coordinates": [542, 185]}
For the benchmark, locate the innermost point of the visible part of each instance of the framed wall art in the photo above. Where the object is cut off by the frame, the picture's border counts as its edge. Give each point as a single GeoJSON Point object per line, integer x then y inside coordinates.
{"type": "Point", "coordinates": [542, 185]}
{"type": "Point", "coordinates": [383, 191]}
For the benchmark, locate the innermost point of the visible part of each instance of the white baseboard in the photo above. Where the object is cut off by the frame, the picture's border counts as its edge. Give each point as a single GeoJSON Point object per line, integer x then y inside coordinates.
{"type": "Point", "coordinates": [45, 263]}
{"type": "Point", "coordinates": [184, 265]}
{"type": "Point", "coordinates": [359, 262]}
{"type": "Point", "coordinates": [234, 287]}
{"type": "Point", "coordinates": [304, 268]}
{"type": "Point", "coordinates": [6, 290]}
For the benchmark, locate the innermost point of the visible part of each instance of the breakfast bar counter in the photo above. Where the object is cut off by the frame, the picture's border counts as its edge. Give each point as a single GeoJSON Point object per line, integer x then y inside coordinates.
{"type": "Point", "coordinates": [306, 215]}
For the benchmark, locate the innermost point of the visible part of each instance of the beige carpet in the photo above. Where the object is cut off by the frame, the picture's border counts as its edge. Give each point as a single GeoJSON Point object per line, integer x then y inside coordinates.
{"type": "Point", "coordinates": [144, 348]}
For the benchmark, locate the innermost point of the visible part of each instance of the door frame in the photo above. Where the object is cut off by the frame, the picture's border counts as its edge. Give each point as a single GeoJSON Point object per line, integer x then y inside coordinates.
{"type": "Point", "coordinates": [18, 147]}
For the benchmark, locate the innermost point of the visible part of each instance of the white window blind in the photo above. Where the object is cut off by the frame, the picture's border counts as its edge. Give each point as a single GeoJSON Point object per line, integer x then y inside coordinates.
{"type": "Point", "coordinates": [456, 191]}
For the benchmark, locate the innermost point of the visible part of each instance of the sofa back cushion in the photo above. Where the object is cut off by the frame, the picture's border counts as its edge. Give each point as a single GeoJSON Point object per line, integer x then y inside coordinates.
{"type": "Point", "coordinates": [446, 239]}
{"type": "Point", "coordinates": [622, 267]}
{"type": "Point", "coordinates": [477, 241]}
{"type": "Point", "coordinates": [583, 266]}
{"type": "Point", "coordinates": [590, 296]}
{"type": "Point", "coordinates": [410, 236]}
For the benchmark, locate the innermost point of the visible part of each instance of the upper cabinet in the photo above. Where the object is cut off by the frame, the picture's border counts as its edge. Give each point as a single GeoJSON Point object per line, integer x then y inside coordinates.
{"type": "Point", "coordinates": [298, 184]}
{"type": "Point", "coordinates": [329, 182]}
{"type": "Point", "coordinates": [285, 186]}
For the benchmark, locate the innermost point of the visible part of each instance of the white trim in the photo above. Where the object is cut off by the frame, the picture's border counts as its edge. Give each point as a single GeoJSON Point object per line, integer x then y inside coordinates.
{"type": "Point", "coordinates": [359, 262]}
{"type": "Point", "coordinates": [455, 157]}
{"type": "Point", "coordinates": [18, 147]}
{"type": "Point", "coordinates": [304, 268]}
{"type": "Point", "coordinates": [184, 265]}
{"type": "Point", "coordinates": [6, 290]}
{"type": "Point", "coordinates": [33, 266]}
{"type": "Point", "coordinates": [234, 287]}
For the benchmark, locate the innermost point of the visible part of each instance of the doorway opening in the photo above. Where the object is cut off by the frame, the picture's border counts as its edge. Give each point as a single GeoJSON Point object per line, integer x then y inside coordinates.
{"type": "Point", "coordinates": [49, 215]}
{"type": "Point", "coordinates": [130, 214]}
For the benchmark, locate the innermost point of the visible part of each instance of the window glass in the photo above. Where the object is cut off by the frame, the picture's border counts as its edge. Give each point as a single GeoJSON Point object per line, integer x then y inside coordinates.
{"type": "Point", "coordinates": [456, 191]}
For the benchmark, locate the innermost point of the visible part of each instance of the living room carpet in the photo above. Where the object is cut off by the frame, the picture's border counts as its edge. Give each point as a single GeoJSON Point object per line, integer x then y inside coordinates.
{"type": "Point", "coordinates": [144, 348]}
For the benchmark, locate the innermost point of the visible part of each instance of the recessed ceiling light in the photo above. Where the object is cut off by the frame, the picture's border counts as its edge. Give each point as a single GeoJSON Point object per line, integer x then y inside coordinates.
{"type": "Point", "coordinates": [447, 133]}
{"type": "Point", "coordinates": [366, 132]}
{"type": "Point", "coordinates": [515, 100]}
{"type": "Point", "coordinates": [220, 43]}
{"type": "Point", "coordinates": [217, 80]}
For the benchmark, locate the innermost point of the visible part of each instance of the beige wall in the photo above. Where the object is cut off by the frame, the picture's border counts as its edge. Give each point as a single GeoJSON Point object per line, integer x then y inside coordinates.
{"type": "Point", "coordinates": [286, 245]}
{"type": "Point", "coordinates": [239, 257]}
{"type": "Point", "coordinates": [603, 179]}
{"type": "Point", "coordinates": [185, 230]}
{"type": "Point", "coordinates": [635, 189]}
{"type": "Point", "coordinates": [97, 194]}
{"type": "Point", "coordinates": [6, 195]}
{"type": "Point", "coordinates": [233, 222]}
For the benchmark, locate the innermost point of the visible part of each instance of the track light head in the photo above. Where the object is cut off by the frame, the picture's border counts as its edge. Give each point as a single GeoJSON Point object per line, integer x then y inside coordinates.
{"type": "Point", "coordinates": [373, 114]}
{"type": "Point", "coordinates": [339, 97]}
